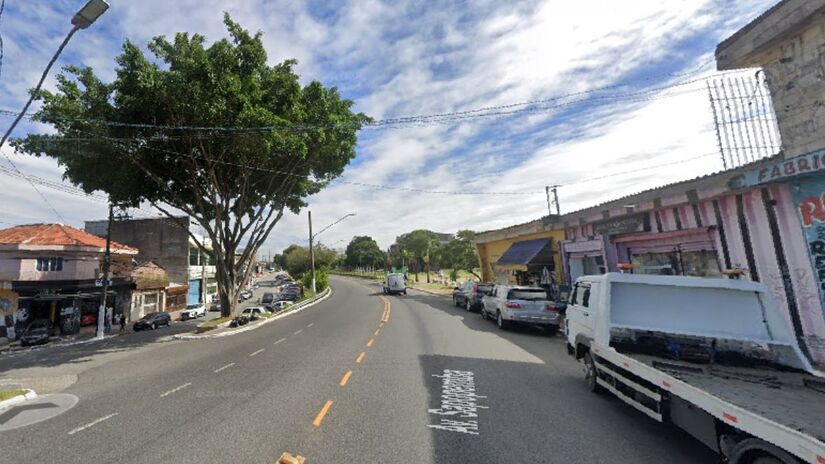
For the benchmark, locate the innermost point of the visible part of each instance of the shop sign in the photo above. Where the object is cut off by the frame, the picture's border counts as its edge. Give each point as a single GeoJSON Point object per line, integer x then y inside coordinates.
{"type": "Point", "coordinates": [809, 198]}
{"type": "Point", "coordinates": [782, 170]}
{"type": "Point", "coordinates": [8, 302]}
{"type": "Point", "coordinates": [623, 225]}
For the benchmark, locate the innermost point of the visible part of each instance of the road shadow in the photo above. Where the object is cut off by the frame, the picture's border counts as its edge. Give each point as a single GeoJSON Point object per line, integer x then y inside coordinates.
{"type": "Point", "coordinates": [530, 414]}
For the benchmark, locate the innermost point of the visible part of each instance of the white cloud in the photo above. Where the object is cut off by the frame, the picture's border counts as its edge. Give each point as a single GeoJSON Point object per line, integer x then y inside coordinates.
{"type": "Point", "coordinates": [405, 58]}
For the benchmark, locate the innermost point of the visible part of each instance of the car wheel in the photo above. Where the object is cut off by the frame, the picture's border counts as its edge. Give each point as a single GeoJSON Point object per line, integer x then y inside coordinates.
{"type": "Point", "coordinates": [590, 374]}
{"type": "Point", "coordinates": [468, 306]}
{"type": "Point", "coordinates": [502, 324]}
{"type": "Point", "coordinates": [483, 313]}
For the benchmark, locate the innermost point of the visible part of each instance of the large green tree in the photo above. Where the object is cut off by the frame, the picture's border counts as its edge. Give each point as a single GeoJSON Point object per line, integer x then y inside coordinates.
{"type": "Point", "coordinates": [422, 245]}
{"type": "Point", "coordinates": [212, 131]}
{"type": "Point", "coordinates": [460, 254]}
{"type": "Point", "coordinates": [364, 251]}
{"type": "Point", "coordinates": [297, 259]}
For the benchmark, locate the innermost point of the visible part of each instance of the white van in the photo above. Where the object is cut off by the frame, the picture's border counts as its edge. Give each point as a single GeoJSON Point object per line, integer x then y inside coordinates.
{"type": "Point", "coordinates": [394, 284]}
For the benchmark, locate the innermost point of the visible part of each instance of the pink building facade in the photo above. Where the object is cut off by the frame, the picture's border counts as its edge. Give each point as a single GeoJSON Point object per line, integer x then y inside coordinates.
{"type": "Point", "coordinates": [770, 230]}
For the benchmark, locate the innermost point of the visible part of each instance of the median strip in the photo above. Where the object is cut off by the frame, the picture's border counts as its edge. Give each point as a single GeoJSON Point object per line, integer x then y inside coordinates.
{"type": "Point", "coordinates": [224, 367]}
{"type": "Point", "coordinates": [178, 388]}
{"type": "Point", "coordinates": [256, 352]}
{"type": "Point", "coordinates": [92, 423]}
{"type": "Point", "coordinates": [323, 412]}
{"type": "Point", "coordinates": [345, 379]}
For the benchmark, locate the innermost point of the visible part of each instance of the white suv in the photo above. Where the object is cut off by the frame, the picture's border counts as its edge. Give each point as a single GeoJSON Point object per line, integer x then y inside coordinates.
{"type": "Point", "coordinates": [193, 311]}
{"type": "Point", "coordinates": [509, 304]}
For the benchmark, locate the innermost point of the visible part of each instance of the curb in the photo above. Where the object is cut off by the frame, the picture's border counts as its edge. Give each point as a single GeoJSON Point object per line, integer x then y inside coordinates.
{"type": "Point", "coordinates": [294, 310]}
{"type": "Point", "coordinates": [29, 395]}
{"type": "Point", "coordinates": [430, 292]}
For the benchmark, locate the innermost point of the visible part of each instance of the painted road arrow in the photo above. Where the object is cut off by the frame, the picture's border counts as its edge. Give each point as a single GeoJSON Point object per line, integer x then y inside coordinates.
{"type": "Point", "coordinates": [11, 414]}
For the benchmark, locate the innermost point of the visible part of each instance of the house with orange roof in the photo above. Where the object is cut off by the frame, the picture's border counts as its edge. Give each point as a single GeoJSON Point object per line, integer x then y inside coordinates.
{"type": "Point", "coordinates": [53, 271]}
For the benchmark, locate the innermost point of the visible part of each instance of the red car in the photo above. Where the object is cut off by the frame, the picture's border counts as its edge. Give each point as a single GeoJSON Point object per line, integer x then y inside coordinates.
{"type": "Point", "coordinates": [88, 319]}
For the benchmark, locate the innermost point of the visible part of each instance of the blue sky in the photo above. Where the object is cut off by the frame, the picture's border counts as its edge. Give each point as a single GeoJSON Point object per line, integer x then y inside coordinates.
{"type": "Point", "coordinates": [405, 58]}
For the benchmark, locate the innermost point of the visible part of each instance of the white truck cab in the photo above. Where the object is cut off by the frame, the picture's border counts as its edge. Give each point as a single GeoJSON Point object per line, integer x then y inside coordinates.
{"type": "Point", "coordinates": [395, 284]}
{"type": "Point", "coordinates": [715, 357]}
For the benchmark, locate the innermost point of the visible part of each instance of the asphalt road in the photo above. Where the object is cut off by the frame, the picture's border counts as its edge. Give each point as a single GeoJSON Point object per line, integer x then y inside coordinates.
{"type": "Point", "coordinates": [492, 396]}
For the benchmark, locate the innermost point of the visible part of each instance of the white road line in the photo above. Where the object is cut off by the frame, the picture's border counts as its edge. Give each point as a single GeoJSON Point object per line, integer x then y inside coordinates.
{"type": "Point", "coordinates": [310, 324]}
{"type": "Point", "coordinates": [297, 331]}
{"type": "Point", "coordinates": [92, 423]}
{"type": "Point", "coordinates": [224, 367]}
{"type": "Point", "coordinates": [176, 389]}
{"type": "Point", "coordinates": [279, 341]}
{"type": "Point", "coordinates": [257, 352]}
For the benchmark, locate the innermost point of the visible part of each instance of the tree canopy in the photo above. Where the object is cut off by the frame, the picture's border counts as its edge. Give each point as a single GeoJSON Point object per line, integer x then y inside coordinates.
{"type": "Point", "coordinates": [460, 254]}
{"type": "Point", "coordinates": [212, 131]}
{"type": "Point", "coordinates": [364, 251]}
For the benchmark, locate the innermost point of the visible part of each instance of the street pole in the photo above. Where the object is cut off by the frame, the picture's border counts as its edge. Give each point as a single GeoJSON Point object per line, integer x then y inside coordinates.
{"type": "Point", "coordinates": [311, 252]}
{"type": "Point", "coordinates": [556, 200]}
{"type": "Point", "coordinates": [107, 261]}
{"type": "Point", "coordinates": [547, 191]}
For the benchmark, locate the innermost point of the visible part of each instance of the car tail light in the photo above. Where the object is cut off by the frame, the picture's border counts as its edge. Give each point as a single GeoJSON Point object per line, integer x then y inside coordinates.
{"type": "Point", "coordinates": [513, 305]}
{"type": "Point", "coordinates": [551, 307]}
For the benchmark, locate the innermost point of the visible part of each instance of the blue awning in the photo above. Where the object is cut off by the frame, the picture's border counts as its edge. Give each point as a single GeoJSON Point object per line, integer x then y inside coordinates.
{"type": "Point", "coordinates": [523, 253]}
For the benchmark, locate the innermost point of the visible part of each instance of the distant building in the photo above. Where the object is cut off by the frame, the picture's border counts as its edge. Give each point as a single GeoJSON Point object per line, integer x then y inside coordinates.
{"type": "Point", "coordinates": [444, 238]}
{"type": "Point", "coordinates": [167, 243]}
{"type": "Point", "coordinates": [51, 271]}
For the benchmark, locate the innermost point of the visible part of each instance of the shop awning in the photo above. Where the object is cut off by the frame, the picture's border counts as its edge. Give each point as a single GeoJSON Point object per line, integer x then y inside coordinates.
{"type": "Point", "coordinates": [526, 252]}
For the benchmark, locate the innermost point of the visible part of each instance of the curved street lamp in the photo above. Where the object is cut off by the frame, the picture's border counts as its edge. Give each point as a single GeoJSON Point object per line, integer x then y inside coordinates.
{"type": "Point", "coordinates": [312, 237]}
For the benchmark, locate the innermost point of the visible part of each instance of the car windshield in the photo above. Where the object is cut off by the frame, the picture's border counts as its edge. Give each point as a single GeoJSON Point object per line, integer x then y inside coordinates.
{"type": "Point", "coordinates": [39, 325]}
{"type": "Point", "coordinates": [193, 306]}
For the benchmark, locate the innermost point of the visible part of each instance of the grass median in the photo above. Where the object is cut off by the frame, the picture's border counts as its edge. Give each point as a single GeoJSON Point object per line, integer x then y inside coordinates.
{"type": "Point", "coordinates": [7, 394]}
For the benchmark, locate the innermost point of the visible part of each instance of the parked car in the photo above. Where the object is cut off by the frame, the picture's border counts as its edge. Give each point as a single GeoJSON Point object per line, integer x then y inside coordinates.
{"type": "Point", "coordinates": [246, 294]}
{"type": "Point", "coordinates": [88, 319]}
{"type": "Point", "coordinates": [288, 296]}
{"type": "Point", "coordinates": [509, 304]}
{"type": "Point", "coordinates": [216, 305]}
{"type": "Point", "coordinates": [469, 294]}
{"type": "Point", "coordinates": [267, 298]}
{"type": "Point", "coordinates": [36, 333]}
{"type": "Point", "coordinates": [152, 321]}
{"type": "Point", "coordinates": [254, 312]}
{"type": "Point", "coordinates": [395, 283]}
{"type": "Point", "coordinates": [193, 311]}
{"type": "Point", "coordinates": [278, 305]}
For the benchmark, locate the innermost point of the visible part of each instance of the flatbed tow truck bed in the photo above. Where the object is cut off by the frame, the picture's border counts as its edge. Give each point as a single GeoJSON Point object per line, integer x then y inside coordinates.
{"type": "Point", "coordinates": [784, 408]}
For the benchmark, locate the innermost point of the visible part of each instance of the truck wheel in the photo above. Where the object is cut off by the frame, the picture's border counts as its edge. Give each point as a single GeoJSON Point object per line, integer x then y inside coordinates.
{"type": "Point", "coordinates": [756, 451]}
{"type": "Point", "coordinates": [483, 313]}
{"type": "Point", "coordinates": [502, 324]}
{"type": "Point", "coordinates": [590, 374]}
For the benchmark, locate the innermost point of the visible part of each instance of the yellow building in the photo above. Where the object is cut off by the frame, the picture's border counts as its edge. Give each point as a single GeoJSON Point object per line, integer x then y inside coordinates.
{"type": "Point", "coordinates": [520, 254]}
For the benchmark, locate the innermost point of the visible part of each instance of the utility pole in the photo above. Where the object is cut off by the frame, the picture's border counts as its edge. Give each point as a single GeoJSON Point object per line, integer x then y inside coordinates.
{"type": "Point", "coordinates": [547, 191]}
{"type": "Point", "coordinates": [107, 261]}
{"type": "Point", "coordinates": [556, 200]}
{"type": "Point", "coordinates": [311, 251]}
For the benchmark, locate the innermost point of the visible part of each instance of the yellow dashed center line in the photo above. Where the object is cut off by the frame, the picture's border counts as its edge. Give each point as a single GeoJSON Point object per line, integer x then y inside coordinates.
{"type": "Point", "coordinates": [369, 343]}
{"type": "Point", "coordinates": [323, 412]}
{"type": "Point", "coordinates": [360, 357]}
{"type": "Point", "coordinates": [345, 379]}
{"type": "Point", "coordinates": [376, 332]}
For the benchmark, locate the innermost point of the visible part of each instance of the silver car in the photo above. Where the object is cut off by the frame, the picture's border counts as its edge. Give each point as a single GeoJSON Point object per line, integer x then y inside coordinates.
{"type": "Point", "coordinates": [509, 304]}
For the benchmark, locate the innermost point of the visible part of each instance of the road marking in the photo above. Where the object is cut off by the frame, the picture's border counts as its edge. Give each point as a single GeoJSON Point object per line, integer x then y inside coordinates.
{"type": "Point", "coordinates": [459, 402]}
{"type": "Point", "coordinates": [321, 414]}
{"type": "Point", "coordinates": [279, 341]}
{"type": "Point", "coordinates": [376, 332]}
{"type": "Point", "coordinates": [380, 325]}
{"type": "Point", "coordinates": [345, 379]}
{"type": "Point", "coordinates": [297, 331]}
{"type": "Point", "coordinates": [310, 324]}
{"type": "Point", "coordinates": [360, 357]}
{"type": "Point", "coordinates": [92, 423]}
{"type": "Point", "coordinates": [369, 343]}
{"type": "Point", "coordinates": [224, 367]}
{"type": "Point", "coordinates": [257, 352]}
{"type": "Point", "coordinates": [176, 389]}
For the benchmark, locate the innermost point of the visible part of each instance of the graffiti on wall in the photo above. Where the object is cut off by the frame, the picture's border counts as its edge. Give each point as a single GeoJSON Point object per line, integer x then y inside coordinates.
{"type": "Point", "coordinates": [809, 196]}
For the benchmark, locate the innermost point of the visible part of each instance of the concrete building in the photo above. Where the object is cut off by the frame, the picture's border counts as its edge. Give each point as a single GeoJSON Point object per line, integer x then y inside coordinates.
{"type": "Point", "coordinates": [51, 272]}
{"type": "Point", "coordinates": [518, 254]}
{"type": "Point", "coordinates": [167, 243]}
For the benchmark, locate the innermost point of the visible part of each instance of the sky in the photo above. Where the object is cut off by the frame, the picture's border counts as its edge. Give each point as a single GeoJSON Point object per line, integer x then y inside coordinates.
{"type": "Point", "coordinates": [650, 124]}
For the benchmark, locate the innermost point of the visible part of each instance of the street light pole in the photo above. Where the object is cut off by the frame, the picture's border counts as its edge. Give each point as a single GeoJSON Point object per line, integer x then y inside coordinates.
{"type": "Point", "coordinates": [311, 237]}
{"type": "Point", "coordinates": [107, 262]}
{"type": "Point", "coordinates": [311, 252]}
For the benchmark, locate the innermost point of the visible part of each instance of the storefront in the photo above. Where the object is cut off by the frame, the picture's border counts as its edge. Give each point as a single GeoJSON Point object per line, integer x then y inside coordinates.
{"type": "Point", "coordinates": [583, 258]}
{"type": "Point", "coordinates": [529, 262]}
{"type": "Point", "coordinates": [689, 252]}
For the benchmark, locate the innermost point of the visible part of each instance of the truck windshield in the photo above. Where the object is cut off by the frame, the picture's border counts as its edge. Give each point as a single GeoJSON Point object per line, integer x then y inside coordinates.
{"type": "Point", "coordinates": [537, 294]}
